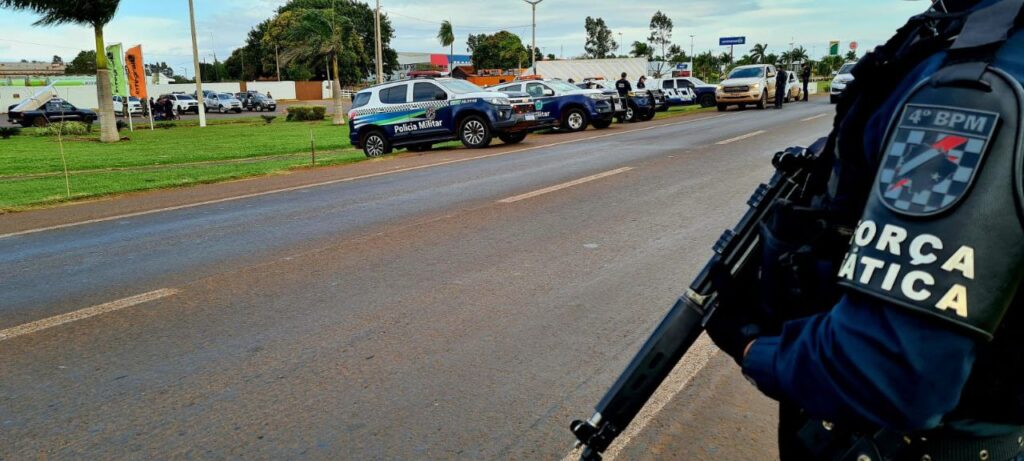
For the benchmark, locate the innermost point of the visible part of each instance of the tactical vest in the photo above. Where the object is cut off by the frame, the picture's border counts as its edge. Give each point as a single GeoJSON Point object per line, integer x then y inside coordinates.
{"type": "Point", "coordinates": [942, 228]}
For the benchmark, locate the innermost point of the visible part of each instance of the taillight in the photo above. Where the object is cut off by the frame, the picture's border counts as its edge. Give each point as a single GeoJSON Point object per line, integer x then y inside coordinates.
{"type": "Point", "coordinates": [352, 115]}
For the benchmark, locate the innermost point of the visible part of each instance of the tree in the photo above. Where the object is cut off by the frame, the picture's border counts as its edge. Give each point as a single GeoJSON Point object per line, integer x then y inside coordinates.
{"type": "Point", "coordinates": [707, 65]}
{"type": "Point", "coordinates": [551, 57]}
{"type": "Point", "coordinates": [771, 58]}
{"type": "Point", "coordinates": [786, 57]}
{"type": "Point", "coordinates": [642, 50]}
{"type": "Point", "coordinates": [503, 50]}
{"type": "Point", "coordinates": [758, 53]}
{"type": "Point", "coordinates": [851, 55]}
{"type": "Point", "coordinates": [661, 31]}
{"type": "Point", "coordinates": [599, 39]}
{"type": "Point", "coordinates": [799, 54]}
{"type": "Point", "coordinates": [316, 30]}
{"type": "Point", "coordinates": [94, 13]}
{"type": "Point", "coordinates": [83, 64]}
{"type": "Point", "coordinates": [57, 60]}
{"type": "Point", "coordinates": [446, 35]}
{"type": "Point", "coordinates": [677, 55]}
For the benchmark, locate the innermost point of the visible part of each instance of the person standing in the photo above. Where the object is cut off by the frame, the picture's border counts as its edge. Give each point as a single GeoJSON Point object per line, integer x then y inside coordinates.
{"type": "Point", "coordinates": [805, 77]}
{"type": "Point", "coordinates": [642, 83]}
{"type": "Point", "coordinates": [623, 86]}
{"type": "Point", "coordinates": [781, 79]}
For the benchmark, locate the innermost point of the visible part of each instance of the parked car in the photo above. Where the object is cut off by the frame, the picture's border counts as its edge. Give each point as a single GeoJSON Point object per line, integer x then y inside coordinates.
{"type": "Point", "coordinates": [417, 113]}
{"type": "Point", "coordinates": [839, 82]}
{"type": "Point", "coordinates": [751, 84]}
{"type": "Point", "coordinates": [223, 103]}
{"type": "Point", "coordinates": [54, 110]}
{"type": "Point", "coordinates": [794, 88]}
{"type": "Point", "coordinates": [134, 106]}
{"type": "Point", "coordinates": [182, 102]}
{"type": "Point", "coordinates": [260, 103]}
{"type": "Point", "coordinates": [640, 104]}
{"type": "Point", "coordinates": [564, 105]}
{"type": "Point", "coordinates": [683, 91]}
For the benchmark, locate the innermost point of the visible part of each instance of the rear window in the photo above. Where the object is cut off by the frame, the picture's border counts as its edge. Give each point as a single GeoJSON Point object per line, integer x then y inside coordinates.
{"type": "Point", "coordinates": [394, 95]}
{"type": "Point", "coordinates": [360, 99]}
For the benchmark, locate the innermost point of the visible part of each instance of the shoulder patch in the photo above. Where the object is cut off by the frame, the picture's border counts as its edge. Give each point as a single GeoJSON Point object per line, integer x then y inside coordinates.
{"type": "Point", "coordinates": [932, 157]}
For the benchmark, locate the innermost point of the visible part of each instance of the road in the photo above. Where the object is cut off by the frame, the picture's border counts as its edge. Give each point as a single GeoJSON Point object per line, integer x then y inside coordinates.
{"type": "Point", "coordinates": [466, 310]}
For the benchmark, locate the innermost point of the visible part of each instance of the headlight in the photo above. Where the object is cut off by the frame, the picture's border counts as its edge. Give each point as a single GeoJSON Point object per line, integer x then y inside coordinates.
{"type": "Point", "coordinates": [596, 96]}
{"type": "Point", "coordinates": [498, 101]}
{"type": "Point", "coordinates": [719, 88]}
{"type": "Point", "coordinates": [755, 87]}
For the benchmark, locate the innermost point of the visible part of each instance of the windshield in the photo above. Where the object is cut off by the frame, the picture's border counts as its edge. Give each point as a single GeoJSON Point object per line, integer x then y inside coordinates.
{"type": "Point", "coordinates": [562, 86]}
{"type": "Point", "coordinates": [459, 86]}
{"type": "Point", "coordinates": [133, 99]}
{"type": "Point", "coordinates": [186, 97]}
{"type": "Point", "coordinates": [697, 81]}
{"type": "Point", "coordinates": [846, 68]}
{"type": "Point", "coordinates": [224, 96]}
{"type": "Point", "coordinates": [749, 72]}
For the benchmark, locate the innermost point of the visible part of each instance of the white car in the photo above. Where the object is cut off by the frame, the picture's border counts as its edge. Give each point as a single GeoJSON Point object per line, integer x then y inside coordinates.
{"type": "Point", "coordinates": [839, 82]}
{"type": "Point", "coordinates": [794, 88]}
{"type": "Point", "coordinates": [134, 106]}
{"type": "Point", "coordinates": [223, 103]}
{"type": "Point", "coordinates": [182, 103]}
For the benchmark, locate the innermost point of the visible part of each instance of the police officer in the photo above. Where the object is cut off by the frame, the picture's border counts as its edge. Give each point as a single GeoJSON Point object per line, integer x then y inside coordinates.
{"type": "Point", "coordinates": [805, 77]}
{"type": "Point", "coordinates": [781, 79]}
{"type": "Point", "coordinates": [889, 321]}
{"type": "Point", "coordinates": [642, 83]}
{"type": "Point", "coordinates": [623, 86]}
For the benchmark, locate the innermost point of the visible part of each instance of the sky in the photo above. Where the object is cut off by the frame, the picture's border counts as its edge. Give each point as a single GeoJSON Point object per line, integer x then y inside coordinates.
{"type": "Point", "coordinates": [162, 26]}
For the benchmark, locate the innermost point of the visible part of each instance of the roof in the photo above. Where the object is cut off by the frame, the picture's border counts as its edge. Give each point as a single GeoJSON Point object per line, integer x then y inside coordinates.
{"type": "Point", "coordinates": [579, 69]}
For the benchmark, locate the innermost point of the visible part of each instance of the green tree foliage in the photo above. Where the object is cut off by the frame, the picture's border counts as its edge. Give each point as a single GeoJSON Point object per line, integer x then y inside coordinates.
{"type": "Point", "coordinates": [829, 64]}
{"type": "Point", "coordinates": [83, 64]}
{"type": "Point", "coordinates": [677, 55]}
{"type": "Point", "coordinates": [661, 31]}
{"type": "Point", "coordinates": [446, 36]}
{"type": "Point", "coordinates": [600, 43]}
{"type": "Point", "coordinates": [57, 60]}
{"type": "Point", "coordinates": [93, 13]}
{"type": "Point", "coordinates": [758, 53]}
{"type": "Point", "coordinates": [771, 58]}
{"type": "Point", "coordinates": [642, 50]}
{"type": "Point", "coordinates": [503, 50]}
{"type": "Point", "coordinates": [707, 66]}
{"type": "Point", "coordinates": [851, 55]}
{"type": "Point", "coordinates": [799, 54]}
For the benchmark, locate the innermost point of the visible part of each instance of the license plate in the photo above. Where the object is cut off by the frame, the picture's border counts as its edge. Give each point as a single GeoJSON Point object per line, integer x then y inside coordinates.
{"type": "Point", "coordinates": [531, 118]}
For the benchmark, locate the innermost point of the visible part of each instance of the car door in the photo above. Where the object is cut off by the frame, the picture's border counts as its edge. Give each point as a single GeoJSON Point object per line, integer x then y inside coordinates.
{"type": "Point", "coordinates": [69, 112]}
{"type": "Point", "coordinates": [543, 98]}
{"type": "Point", "coordinates": [686, 90]}
{"type": "Point", "coordinates": [769, 74]}
{"type": "Point", "coordinates": [437, 116]}
{"type": "Point", "coordinates": [53, 111]}
{"type": "Point", "coordinates": [399, 124]}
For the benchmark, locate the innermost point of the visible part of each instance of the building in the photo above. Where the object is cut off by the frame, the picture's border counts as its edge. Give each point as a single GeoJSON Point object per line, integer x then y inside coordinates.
{"type": "Point", "coordinates": [408, 62]}
{"type": "Point", "coordinates": [30, 69]}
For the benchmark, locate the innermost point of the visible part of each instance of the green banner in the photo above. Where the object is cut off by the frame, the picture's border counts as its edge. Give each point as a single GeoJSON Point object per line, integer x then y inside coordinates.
{"type": "Point", "coordinates": [115, 64]}
{"type": "Point", "coordinates": [833, 48]}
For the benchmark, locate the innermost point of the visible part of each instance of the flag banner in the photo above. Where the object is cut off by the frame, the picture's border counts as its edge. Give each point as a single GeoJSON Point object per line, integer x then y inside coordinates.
{"type": "Point", "coordinates": [115, 64]}
{"type": "Point", "coordinates": [136, 72]}
{"type": "Point", "coordinates": [833, 48]}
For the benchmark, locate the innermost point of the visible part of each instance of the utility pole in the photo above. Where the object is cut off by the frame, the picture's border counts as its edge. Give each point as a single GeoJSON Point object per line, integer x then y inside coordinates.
{"type": "Point", "coordinates": [379, 48]}
{"type": "Point", "coordinates": [277, 58]}
{"type": "Point", "coordinates": [533, 50]}
{"type": "Point", "coordinates": [195, 62]}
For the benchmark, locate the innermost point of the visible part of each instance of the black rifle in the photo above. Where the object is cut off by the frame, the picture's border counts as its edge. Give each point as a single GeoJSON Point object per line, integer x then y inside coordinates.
{"type": "Point", "coordinates": [737, 250]}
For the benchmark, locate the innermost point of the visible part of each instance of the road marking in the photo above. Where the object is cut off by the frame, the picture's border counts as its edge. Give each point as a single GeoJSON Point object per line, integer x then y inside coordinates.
{"type": "Point", "coordinates": [564, 185]}
{"type": "Point", "coordinates": [740, 138]}
{"type": "Point", "coordinates": [694, 361]}
{"type": "Point", "coordinates": [80, 314]}
{"type": "Point", "coordinates": [815, 117]}
{"type": "Point", "coordinates": [336, 181]}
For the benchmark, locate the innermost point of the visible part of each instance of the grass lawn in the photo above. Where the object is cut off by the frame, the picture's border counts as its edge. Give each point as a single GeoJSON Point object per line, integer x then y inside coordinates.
{"type": "Point", "coordinates": [823, 86]}
{"type": "Point", "coordinates": [679, 110]}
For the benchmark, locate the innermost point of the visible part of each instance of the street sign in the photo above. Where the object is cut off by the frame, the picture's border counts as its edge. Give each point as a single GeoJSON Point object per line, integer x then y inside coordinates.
{"type": "Point", "coordinates": [853, 46]}
{"type": "Point", "coordinates": [683, 66]}
{"type": "Point", "coordinates": [726, 41]}
{"type": "Point", "coordinates": [833, 48]}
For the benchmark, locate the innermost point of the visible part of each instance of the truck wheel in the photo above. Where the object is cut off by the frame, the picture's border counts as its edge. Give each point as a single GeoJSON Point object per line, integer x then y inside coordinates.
{"type": "Point", "coordinates": [647, 115]}
{"type": "Point", "coordinates": [630, 115]}
{"type": "Point", "coordinates": [574, 120]}
{"type": "Point", "coordinates": [512, 138]}
{"type": "Point", "coordinates": [722, 107]}
{"type": "Point", "coordinates": [763, 102]}
{"type": "Point", "coordinates": [40, 121]}
{"type": "Point", "coordinates": [707, 100]}
{"type": "Point", "coordinates": [474, 132]}
{"type": "Point", "coordinates": [375, 144]}
{"type": "Point", "coordinates": [602, 124]}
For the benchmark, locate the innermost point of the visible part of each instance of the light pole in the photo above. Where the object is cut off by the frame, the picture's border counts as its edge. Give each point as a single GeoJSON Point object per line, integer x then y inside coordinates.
{"type": "Point", "coordinates": [533, 50]}
{"type": "Point", "coordinates": [195, 62]}
{"type": "Point", "coordinates": [691, 48]}
{"type": "Point", "coordinates": [378, 49]}
{"type": "Point", "coordinates": [618, 48]}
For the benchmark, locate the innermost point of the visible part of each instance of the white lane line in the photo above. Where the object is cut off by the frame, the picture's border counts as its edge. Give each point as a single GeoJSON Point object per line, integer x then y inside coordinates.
{"type": "Point", "coordinates": [80, 314]}
{"type": "Point", "coordinates": [695, 360]}
{"type": "Point", "coordinates": [740, 138]}
{"type": "Point", "coordinates": [336, 181]}
{"type": "Point", "coordinates": [815, 117]}
{"type": "Point", "coordinates": [564, 185]}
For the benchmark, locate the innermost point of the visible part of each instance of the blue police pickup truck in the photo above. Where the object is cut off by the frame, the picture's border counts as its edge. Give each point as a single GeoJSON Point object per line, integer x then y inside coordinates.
{"type": "Point", "coordinates": [420, 112]}
{"type": "Point", "coordinates": [564, 106]}
{"type": "Point", "coordinates": [640, 104]}
{"type": "Point", "coordinates": [54, 110]}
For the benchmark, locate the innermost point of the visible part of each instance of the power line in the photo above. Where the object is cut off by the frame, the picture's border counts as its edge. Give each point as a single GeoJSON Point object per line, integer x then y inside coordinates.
{"type": "Point", "coordinates": [430, 21]}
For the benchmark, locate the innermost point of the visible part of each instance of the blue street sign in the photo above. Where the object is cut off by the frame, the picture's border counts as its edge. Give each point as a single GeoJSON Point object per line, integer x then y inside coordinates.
{"type": "Point", "coordinates": [724, 41]}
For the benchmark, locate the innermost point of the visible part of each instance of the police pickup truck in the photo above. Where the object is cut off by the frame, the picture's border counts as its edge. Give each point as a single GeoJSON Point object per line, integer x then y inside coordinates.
{"type": "Point", "coordinates": [417, 113]}
{"type": "Point", "coordinates": [683, 91]}
{"type": "Point", "coordinates": [565, 106]}
{"type": "Point", "coordinates": [54, 110]}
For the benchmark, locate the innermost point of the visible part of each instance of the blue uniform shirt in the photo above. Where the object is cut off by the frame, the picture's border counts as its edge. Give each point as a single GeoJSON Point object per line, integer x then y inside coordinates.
{"type": "Point", "coordinates": [866, 360]}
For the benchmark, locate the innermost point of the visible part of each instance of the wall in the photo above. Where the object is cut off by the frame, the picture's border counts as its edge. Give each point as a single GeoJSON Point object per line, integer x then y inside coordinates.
{"type": "Point", "coordinates": [229, 87]}
{"type": "Point", "coordinates": [279, 90]}
{"type": "Point", "coordinates": [79, 96]}
{"type": "Point", "coordinates": [579, 69]}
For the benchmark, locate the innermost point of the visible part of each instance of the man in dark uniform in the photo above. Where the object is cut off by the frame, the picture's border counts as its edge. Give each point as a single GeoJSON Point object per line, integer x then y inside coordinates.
{"type": "Point", "coordinates": [919, 228]}
{"type": "Point", "coordinates": [781, 79]}
{"type": "Point", "coordinates": [623, 86]}
{"type": "Point", "coordinates": [805, 77]}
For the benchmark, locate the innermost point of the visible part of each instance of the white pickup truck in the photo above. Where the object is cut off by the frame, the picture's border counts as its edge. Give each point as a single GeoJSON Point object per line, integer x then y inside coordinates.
{"type": "Point", "coordinates": [751, 84]}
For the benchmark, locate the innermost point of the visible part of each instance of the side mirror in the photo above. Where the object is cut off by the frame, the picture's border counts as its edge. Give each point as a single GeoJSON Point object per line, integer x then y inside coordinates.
{"type": "Point", "coordinates": [548, 92]}
{"type": "Point", "coordinates": [441, 97]}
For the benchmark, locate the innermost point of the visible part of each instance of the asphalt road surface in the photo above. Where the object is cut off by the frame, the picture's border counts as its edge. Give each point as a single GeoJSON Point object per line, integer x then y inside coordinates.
{"type": "Point", "coordinates": [467, 310]}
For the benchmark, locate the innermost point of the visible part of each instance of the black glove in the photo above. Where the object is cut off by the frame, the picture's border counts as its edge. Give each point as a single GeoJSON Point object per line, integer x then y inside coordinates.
{"type": "Point", "coordinates": [735, 322]}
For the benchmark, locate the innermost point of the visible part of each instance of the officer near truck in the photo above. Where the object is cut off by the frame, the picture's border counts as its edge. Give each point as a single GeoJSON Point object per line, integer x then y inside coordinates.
{"type": "Point", "coordinates": [888, 320]}
{"type": "Point", "coordinates": [623, 86]}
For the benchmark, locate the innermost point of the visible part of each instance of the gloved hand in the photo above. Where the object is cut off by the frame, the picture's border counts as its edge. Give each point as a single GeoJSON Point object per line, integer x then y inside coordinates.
{"type": "Point", "coordinates": [735, 322]}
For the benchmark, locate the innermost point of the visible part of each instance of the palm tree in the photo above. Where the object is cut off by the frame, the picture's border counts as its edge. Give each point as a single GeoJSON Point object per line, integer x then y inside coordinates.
{"type": "Point", "coordinates": [95, 13]}
{"type": "Point", "coordinates": [758, 53]}
{"type": "Point", "coordinates": [447, 38]}
{"type": "Point", "coordinates": [786, 57]}
{"type": "Point", "coordinates": [316, 32]}
{"type": "Point", "coordinates": [799, 54]}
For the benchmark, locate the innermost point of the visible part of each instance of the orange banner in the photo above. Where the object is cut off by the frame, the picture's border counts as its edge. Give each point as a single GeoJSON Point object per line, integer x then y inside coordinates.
{"type": "Point", "coordinates": [136, 72]}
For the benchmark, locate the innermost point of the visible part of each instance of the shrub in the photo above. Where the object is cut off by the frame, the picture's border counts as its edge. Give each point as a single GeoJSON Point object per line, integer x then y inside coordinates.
{"type": "Point", "coordinates": [166, 125]}
{"type": "Point", "coordinates": [64, 129]}
{"type": "Point", "coordinates": [8, 131]}
{"type": "Point", "coordinates": [302, 113]}
{"type": "Point", "coordinates": [121, 124]}
{"type": "Point", "coordinates": [268, 118]}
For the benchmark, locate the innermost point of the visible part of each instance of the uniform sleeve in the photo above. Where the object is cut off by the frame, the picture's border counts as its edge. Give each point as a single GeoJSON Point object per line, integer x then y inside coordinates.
{"type": "Point", "coordinates": [864, 361]}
